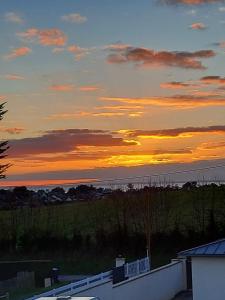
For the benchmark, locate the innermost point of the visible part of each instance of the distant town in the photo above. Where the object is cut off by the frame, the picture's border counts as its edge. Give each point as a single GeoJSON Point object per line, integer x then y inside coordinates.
{"type": "Point", "coordinates": [24, 197]}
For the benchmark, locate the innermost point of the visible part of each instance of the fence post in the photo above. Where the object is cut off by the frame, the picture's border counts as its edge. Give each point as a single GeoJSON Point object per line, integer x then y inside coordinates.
{"type": "Point", "coordinates": [148, 263]}
{"type": "Point", "coordinates": [126, 270]}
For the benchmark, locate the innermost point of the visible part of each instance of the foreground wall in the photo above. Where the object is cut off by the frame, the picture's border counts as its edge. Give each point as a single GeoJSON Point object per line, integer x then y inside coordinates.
{"type": "Point", "coordinates": [208, 277]}
{"type": "Point", "coordinates": [160, 284]}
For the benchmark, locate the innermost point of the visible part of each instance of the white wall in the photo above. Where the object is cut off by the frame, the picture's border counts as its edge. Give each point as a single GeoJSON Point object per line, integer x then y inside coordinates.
{"type": "Point", "coordinates": [160, 284]}
{"type": "Point", "coordinates": [208, 277]}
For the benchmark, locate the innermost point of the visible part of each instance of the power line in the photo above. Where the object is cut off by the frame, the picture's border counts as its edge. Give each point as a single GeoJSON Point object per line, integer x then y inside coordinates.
{"type": "Point", "coordinates": [155, 175]}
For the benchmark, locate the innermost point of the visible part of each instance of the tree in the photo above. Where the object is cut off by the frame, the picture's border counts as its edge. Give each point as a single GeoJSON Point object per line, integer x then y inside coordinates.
{"type": "Point", "coordinates": [3, 146]}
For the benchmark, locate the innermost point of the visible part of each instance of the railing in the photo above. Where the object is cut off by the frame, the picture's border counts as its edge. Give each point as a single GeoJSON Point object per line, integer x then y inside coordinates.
{"type": "Point", "coordinates": [138, 267]}
{"type": "Point", "coordinates": [75, 287]}
{"type": "Point", "coordinates": [131, 269]}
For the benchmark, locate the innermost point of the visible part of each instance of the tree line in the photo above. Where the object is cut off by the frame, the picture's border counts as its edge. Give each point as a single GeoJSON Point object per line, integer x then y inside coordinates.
{"type": "Point", "coordinates": [178, 218]}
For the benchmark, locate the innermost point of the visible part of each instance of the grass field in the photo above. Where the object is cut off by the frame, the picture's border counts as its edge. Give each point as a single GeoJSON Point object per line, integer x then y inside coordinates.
{"type": "Point", "coordinates": [175, 212]}
{"type": "Point", "coordinates": [82, 265]}
{"type": "Point", "coordinates": [22, 294]}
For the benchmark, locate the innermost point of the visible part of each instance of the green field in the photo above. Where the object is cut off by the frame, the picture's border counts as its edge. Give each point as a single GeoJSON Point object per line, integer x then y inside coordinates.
{"type": "Point", "coordinates": [85, 237]}
{"type": "Point", "coordinates": [169, 209]}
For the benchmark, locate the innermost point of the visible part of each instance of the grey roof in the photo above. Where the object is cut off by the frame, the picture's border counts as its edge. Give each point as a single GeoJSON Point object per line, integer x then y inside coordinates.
{"type": "Point", "coordinates": [216, 248]}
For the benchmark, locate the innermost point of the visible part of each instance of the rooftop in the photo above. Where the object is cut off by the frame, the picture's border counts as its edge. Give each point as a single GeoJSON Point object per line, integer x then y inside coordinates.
{"type": "Point", "coordinates": [216, 248]}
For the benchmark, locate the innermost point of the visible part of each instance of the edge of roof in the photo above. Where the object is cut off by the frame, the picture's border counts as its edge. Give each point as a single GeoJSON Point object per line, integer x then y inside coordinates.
{"type": "Point", "coordinates": [185, 252]}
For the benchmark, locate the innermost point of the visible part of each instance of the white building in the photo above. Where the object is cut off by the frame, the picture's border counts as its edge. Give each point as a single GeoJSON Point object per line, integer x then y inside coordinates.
{"type": "Point", "coordinates": [208, 270]}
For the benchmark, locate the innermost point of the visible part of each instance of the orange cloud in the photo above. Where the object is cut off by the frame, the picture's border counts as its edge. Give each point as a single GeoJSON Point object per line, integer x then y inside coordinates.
{"type": "Point", "coordinates": [18, 52]}
{"type": "Point", "coordinates": [177, 101]}
{"type": "Point", "coordinates": [207, 94]}
{"type": "Point", "coordinates": [68, 116]}
{"type": "Point", "coordinates": [190, 2]}
{"type": "Point", "coordinates": [13, 130]}
{"type": "Point", "coordinates": [175, 85]}
{"type": "Point", "coordinates": [77, 51]}
{"type": "Point", "coordinates": [86, 114]}
{"type": "Point", "coordinates": [145, 57]}
{"type": "Point", "coordinates": [106, 114]}
{"type": "Point", "coordinates": [14, 77]}
{"type": "Point", "coordinates": [198, 26]}
{"type": "Point", "coordinates": [62, 87]}
{"type": "Point", "coordinates": [132, 111]}
{"type": "Point", "coordinates": [213, 145]}
{"type": "Point", "coordinates": [121, 107]}
{"type": "Point", "coordinates": [213, 80]}
{"type": "Point", "coordinates": [45, 37]}
{"type": "Point", "coordinates": [117, 46]}
{"type": "Point", "coordinates": [145, 159]}
{"type": "Point", "coordinates": [89, 88]}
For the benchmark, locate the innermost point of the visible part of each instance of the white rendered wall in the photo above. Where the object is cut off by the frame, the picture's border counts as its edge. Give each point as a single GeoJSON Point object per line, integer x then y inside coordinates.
{"type": "Point", "coordinates": [208, 278]}
{"type": "Point", "coordinates": [160, 284]}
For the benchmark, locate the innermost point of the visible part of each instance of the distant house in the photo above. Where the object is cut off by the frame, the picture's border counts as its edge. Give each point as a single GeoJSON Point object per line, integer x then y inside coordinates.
{"type": "Point", "coordinates": [208, 270]}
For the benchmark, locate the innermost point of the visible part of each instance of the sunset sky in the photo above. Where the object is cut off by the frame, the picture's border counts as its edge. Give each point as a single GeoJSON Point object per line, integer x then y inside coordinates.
{"type": "Point", "coordinates": [97, 89]}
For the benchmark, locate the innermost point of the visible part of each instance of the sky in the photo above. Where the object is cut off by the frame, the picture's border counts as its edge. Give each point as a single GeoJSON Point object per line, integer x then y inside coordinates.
{"type": "Point", "coordinates": [102, 88]}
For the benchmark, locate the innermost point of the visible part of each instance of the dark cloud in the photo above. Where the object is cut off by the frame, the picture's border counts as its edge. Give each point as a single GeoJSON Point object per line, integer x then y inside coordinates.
{"type": "Point", "coordinates": [96, 155]}
{"type": "Point", "coordinates": [175, 132]}
{"type": "Point", "coordinates": [190, 2]}
{"type": "Point", "coordinates": [145, 57]}
{"type": "Point", "coordinates": [60, 141]}
{"type": "Point", "coordinates": [213, 79]}
{"type": "Point", "coordinates": [176, 85]}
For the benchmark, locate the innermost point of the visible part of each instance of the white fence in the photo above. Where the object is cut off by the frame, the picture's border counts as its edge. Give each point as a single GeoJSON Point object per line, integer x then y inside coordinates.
{"type": "Point", "coordinates": [138, 267]}
{"type": "Point", "coordinates": [159, 284]}
{"type": "Point", "coordinates": [76, 287]}
{"type": "Point", "coordinates": [131, 269]}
